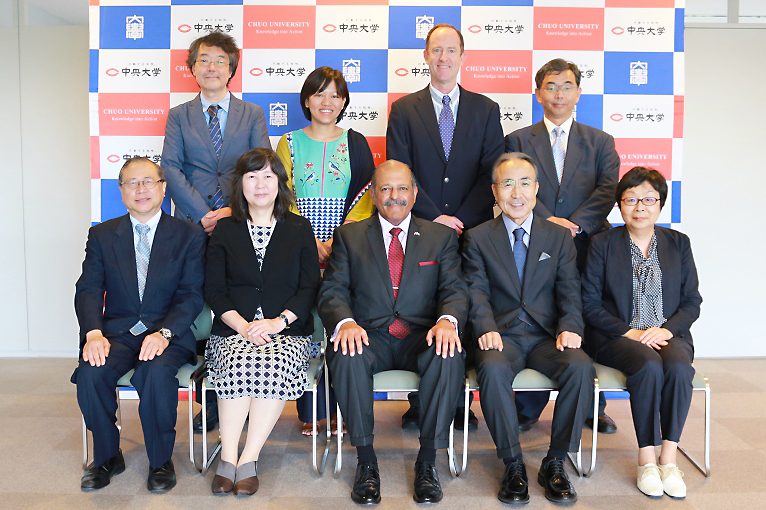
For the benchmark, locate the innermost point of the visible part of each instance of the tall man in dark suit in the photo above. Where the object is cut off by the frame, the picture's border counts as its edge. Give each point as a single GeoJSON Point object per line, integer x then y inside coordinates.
{"type": "Point", "coordinates": [394, 297]}
{"type": "Point", "coordinates": [450, 138]}
{"type": "Point", "coordinates": [204, 138]}
{"type": "Point", "coordinates": [579, 169]}
{"type": "Point", "coordinates": [149, 265]}
{"type": "Point", "coordinates": [526, 312]}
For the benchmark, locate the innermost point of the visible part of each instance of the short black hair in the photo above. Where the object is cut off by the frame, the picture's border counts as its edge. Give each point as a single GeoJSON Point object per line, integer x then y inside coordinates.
{"type": "Point", "coordinates": [317, 81]}
{"type": "Point", "coordinates": [446, 25]}
{"type": "Point", "coordinates": [638, 175]}
{"type": "Point", "coordinates": [509, 156]}
{"type": "Point", "coordinates": [252, 161]}
{"type": "Point", "coordinates": [221, 40]}
{"type": "Point", "coordinates": [131, 161]}
{"type": "Point", "coordinates": [557, 65]}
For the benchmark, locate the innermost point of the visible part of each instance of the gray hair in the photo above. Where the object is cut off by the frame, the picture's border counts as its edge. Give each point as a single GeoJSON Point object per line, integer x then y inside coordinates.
{"type": "Point", "coordinates": [390, 162]}
{"type": "Point", "coordinates": [510, 156]}
{"type": "Point", "coordinates": [131, 161]}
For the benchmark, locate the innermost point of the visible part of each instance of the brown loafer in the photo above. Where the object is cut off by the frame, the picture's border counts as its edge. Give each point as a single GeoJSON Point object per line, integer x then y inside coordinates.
{"type": "Point", "coordinates": [222, 485]}
{"type": "Point", "coordinates": [247, 479]}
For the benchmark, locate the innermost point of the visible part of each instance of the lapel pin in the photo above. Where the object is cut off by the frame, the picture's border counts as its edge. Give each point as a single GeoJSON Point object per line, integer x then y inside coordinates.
{"type": "Point", "coordinates": [416, 233]}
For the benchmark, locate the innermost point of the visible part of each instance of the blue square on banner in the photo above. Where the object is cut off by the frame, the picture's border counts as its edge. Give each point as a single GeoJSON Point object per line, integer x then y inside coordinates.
{"type": "Point", "coordinates": [638, 73]}
{"type": "Point", "coordinates": [679, 31]}
{"type": "Point", "coordinates": [138, 27]}
{"type": "Point", "coordinates": [283, 111]}
{"type": "Point", "coordinates": [364, 70]}
{"type": "Point", "coordinates": [500, 3]}
{"type": "Point", "coordinates": [589, 110]}
{"type": "Point", "coordinates": [111, 200]}
{"type": "Point", "coordinates": [93, 79]}
{"type": "Point", "coordinates": [409, 26]}
{"type": "Point", "coordinates": [675, 207]}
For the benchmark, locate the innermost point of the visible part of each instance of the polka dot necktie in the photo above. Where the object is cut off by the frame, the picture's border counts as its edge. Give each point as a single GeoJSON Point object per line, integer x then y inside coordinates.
{"type": "Point", "coordinates": [214, 126]}
{"type": "Point", "coordinates": [446, 125]}
{"type": "Point", "coordinates": [142, 269]}
{"type": "Point", "coordinates": [399, 328]}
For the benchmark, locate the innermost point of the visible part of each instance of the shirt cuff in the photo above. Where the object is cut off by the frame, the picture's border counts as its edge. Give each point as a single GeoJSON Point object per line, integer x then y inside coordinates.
{"type": "Point", "coordinates": [450, 318]}
{"type": "Point", "coordinates": [337, 327]}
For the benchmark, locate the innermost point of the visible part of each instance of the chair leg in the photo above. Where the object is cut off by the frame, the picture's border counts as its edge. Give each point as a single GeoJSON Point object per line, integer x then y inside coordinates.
{"type": "Point", "coordinates": [465, 429]}
{"type": "Point", "coordinates": [190, 399]}
{"type": "Point", "coordinates": [84, 445]}
{"type": "Point", "coordinates": [576, 460]}
{"type": "Point", "coordinates": [206, 461]}
{"type": "Point", "coordinates": [451, 451]}
{"type": "Point", "coordinates": [339, 456]}
{"type": "Point", "coordinates": [594, 442]}
{"type": "Point", "coordinates": [706, 469]}
{"type": "Point", "coordinates": [319, 469]}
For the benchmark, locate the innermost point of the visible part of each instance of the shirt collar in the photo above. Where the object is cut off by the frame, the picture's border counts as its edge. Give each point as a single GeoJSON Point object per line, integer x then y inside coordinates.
{"type": "Point", "coordinates": [386, 227]}
{"type": "Point", "coordinates": [511, 225]}
{"type": "Point", "coordinates": [566, 125]}
{"type": "Point", "coordinates": [223, 103]}
{"type": "Point", "coordinates": [153, 221]}
{"type": "Point", "coordinates": [454, 94]}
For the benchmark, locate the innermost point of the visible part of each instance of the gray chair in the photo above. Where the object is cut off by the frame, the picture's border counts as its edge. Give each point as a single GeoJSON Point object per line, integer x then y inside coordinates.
{"type": "Point", "coordinates": [403, 381]}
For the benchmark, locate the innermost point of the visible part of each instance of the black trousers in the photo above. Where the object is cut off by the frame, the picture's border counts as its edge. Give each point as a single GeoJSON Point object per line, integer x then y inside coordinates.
{"type": "Point", "coordinates": [659, 383]}
{"type": "Point", "coordinates": [441, 381]}
{"type": "Point", "coordinates": [529, 346]}
{"type": "Point", "coordinates": [157, 388]}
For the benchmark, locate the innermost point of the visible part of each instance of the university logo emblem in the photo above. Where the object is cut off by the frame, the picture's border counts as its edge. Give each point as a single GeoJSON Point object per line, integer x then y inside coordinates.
{"type": "Point", "coordinates": [423, 25]}
{"type": "Point", "coordinates": [134, 27]}
{"type": "Point", "coordinates": [278, 114]}
{"type": "Point", "coordinates": [639, 73]}
{"type": "Point", "coordinates": [352, 70]}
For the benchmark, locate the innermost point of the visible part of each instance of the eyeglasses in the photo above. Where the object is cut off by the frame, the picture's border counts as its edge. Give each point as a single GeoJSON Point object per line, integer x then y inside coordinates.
{"type": "Point", "coordinates": [148, 183]}
{"type": "Point", "coordinates": [552, 87]}
{"type": "Point", "coordinates": [204, 62]}
{"type": "Point", "coordinates": [647, 201]}
{"type": "Point", "coordinates": [523, 184]}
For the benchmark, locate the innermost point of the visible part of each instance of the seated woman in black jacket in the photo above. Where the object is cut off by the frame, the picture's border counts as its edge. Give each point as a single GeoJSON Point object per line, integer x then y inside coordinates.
{"type": "Point", "coordinates": [640, 298]}
{"type": "Point", "coordinates": [261, 281]}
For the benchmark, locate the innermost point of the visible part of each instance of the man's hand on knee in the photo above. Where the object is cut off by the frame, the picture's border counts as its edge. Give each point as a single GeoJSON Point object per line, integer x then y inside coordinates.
{"type": "Point", "coordinates": [568, 340]}
{"type": "Point", "coordinates": [491, 340]}
{"type": "Point", "coordinates": [444, 335]}
{"type": "Point", "coordinates": [153, 345]}
{"type": "Point", "coordinates": [96, 348]}
{"type": "Point", "coordinates": [350, 338]}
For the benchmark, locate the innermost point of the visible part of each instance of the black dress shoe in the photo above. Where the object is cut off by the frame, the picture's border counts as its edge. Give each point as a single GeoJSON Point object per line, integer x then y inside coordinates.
{"type": "Point", "coordinates": [212, 418]}
{"type": "Point", "coordinates": [525, 423]}
{"type": "Point", "coordinates": [554, 479]}
{"type": "Point", "coordinates": [410, 418]}
{"type": "Point", "coordinates": [366, 490]}
{"type": "Point", "coordinates": [98, 477]}
{"type": "Point", "coordinates": [162, 479]}
{"type": "Point", "coordinates": [427, 486]}
{"type": "Point", "coordinates": [473, 421]}
{"type": "Point", "coordinates": [606, 425]}
{"type": "Point", "coordinates": [514, 488]}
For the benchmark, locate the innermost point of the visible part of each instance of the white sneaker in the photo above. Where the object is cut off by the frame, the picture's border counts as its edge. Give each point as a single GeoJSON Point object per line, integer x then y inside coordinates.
{"type": "Point", "coordinates": [649, 480]}
{"type": "Point", "coordinates": [672, 481]}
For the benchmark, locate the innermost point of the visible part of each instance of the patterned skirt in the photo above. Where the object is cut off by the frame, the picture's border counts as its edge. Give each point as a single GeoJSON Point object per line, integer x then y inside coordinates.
{"type": "Point", "coordinates": [239, 368]}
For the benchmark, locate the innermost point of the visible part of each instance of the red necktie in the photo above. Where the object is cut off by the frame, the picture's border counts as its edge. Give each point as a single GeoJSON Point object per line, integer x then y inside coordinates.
{"type": "Point", "coordinates": [398, 328]}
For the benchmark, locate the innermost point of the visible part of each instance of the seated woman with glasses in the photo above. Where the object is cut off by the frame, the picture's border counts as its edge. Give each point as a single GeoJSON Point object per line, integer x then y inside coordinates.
{"type": "Point", "coordinates": [640, 298]}
{"type": "Point", "coordinates": [261, 280]}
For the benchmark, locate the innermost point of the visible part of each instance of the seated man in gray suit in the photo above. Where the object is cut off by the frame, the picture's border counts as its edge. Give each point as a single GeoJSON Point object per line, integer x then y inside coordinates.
{"type": "Point", "coordinates": [204, 138]}
{"type": "Point", "coordinates": [394, 296]}
{"type": "Point", "coordinates": [526, 311]}
{"type": "Point", "coordinates": [579, 169]}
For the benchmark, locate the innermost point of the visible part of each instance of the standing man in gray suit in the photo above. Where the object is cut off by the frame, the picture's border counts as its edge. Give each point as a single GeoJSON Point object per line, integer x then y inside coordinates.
{"type": "Point", "coordinates": [526, 311]}
{"type": "Point", "coordinates": [579, 169]}
{"type": "Point", "coordinates": [394, 297]}
{"type": "Point", "coordinates": [204, 138]}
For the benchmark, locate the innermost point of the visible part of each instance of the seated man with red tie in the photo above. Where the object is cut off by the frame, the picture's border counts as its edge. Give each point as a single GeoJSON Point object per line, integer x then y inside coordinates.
{"type": "Point", "coordinates": [394, 298]}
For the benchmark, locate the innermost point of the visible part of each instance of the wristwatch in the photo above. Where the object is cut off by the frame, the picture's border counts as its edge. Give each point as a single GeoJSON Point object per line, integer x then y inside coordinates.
{"type": "Point", "coordinates": [166, 334]}
{"type": "Point", "coordinates": [284, 318]}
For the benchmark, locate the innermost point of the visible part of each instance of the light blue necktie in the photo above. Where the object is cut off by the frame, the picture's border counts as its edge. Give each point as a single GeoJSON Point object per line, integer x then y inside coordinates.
{"type": "Point", "coordinates": [142, 268]}
{"type": "Point", "coordinates": [214, 126]}
{"type": "Point", "coordinates": [520, 256]}
{"type": "Point", "coordinates": [558, 151]}
{"type": "Point", "coordinates": [446, 125]}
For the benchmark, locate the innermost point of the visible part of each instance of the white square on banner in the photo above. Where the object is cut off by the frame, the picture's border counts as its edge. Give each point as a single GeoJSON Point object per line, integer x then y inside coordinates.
{"type": "Point", "coordinates": [94, 21]}
{"type": "Point", "coordinates": [115, 150]}
{"type": "Point", "coordinates": [352, 26]}
{"type": "Point", "coordinates": [189, 22]}
{"type": "Point", "coordinates": [177, 98]}
{"type": "Point", "coordinates": [407, 71]}
{"type": "Point", "coordinates": [93, 113]}
{"type": "Point", "coordinates": [679, 64]}
{"type": "Point", "coordinates": [95, 200]}
{"type": "Point", "coordinates": [133, 71]}
{"type": "Point", "coordinates": [497, 28]}
{"type": "Point", "coordinates": [678, 158]}
{"type": "Point", "coordinates": [367, 113]}
{"type": "Point", "coordinates": [276, 70]}
{"type": "Point", "coordinates": [515, 110]}
{"type": "Point", "coordinates": [633, 116]}
{"type": "Point", "coordinates": [570, 3]}
{"type": "Point", "coordinates": [640, 29]}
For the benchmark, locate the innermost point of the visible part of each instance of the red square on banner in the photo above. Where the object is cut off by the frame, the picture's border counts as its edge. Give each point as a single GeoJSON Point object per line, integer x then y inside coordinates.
{"type": "Point", "coordinates": [654, 153]}
{"type": "Point", "coordinates": [182, 80]}
{"type": "Point", "coordinates": [569, 28]}
{"type": "Point", "coordinates": [391, 98]}
{"type": "Point", "coordinates": [133, 114]}
{"type": "Point", "coordinates": [93, 2]}
{"type": "Point", "coordinates": [678, 117]}
{"type": "Point", "coordinates": [378, 147]}
{"type": "Point", "coordinates": [505, 71]}
{"type": "Point", "coordinates": [95, 163]}
{"type": "Point", "coordinates": [640, 3]}
{"type": "Point", "coordinates": [269, 26]}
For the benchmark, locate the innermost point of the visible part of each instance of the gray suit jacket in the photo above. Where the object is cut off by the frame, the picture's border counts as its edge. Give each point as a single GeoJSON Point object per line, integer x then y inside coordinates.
{"type": "Point", "coordinates": [589, 181]}
{"type": "Point", "coordinates": [192, 168]}
{"type": "Point", "coordinates": [551, 291]}
{"type": "Point", "coordinates": [357, 282]}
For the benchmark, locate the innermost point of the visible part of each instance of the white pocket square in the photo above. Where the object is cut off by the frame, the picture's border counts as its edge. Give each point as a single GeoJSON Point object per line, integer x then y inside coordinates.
{"type": "Point", "coordinates": [543, 256]}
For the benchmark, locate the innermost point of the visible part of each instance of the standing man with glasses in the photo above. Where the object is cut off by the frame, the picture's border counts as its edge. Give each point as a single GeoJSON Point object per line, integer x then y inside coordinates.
{"type": "Point", "coordinates": [204, 138]}
{"type": "Point", "coordinates": [138, 295]}
{"type": "Point", "coordinates": [579, 169]}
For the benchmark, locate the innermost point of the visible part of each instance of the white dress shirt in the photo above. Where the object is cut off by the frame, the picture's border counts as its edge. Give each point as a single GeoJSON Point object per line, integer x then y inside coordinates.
{"type": "Point", "coordinates": [566, 126]}
{"type": "Point", "coordinates": [436, 99]}
{"type": "Point", "coordinates": [153, 222]}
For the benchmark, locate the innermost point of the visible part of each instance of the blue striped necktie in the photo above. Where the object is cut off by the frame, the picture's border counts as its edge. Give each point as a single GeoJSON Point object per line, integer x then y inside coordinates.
{"type": "Point", "coordinates": [558, 151]}
{"type": "Point", "coordinates": [142, 269]}
{"type": "Point", "coordinates": [520, 256]}
{"type": "Point", "coordinates": [214, 126]}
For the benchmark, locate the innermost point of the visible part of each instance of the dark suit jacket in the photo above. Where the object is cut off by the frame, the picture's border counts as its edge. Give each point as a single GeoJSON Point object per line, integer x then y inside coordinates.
{"type": "Point", "coordinates": [357, 283]}
{"type": "Point", "coordinates": [608, 286]}
{"type": "Point", "coordinates": [462, 186]}
{"type": "Point", "coordinates": [551, 292]}
{"type": "Point", "coordinates": [288, 279]}
{"type": "Point", "coordinates": [173, 292]}
{"type": "Point", "coordinates": [589, 181]}
{"type": "Point", "coordinates": [192, 168]}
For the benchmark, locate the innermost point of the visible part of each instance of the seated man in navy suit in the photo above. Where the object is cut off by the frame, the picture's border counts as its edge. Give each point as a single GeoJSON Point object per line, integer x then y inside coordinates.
{"type": "Point", "coordinates": [526, 311]}
{"type": "Point", "coordinates": [138, 295]}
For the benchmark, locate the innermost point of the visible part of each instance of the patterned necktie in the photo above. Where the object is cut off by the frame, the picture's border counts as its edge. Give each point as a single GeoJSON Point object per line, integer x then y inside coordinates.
{"type": "Point", "coordinates": [214, 126]}
{"type": "Point", "coordinates": [520, 256]}
{"type": "Point", "coordinates": [558, 151]}
{"type": "Point", "coordinates": [446, 125]}
{"type": "Point", "coordinates": [142, 268]}
{"type": "Point", "coordinates": [399, 328]}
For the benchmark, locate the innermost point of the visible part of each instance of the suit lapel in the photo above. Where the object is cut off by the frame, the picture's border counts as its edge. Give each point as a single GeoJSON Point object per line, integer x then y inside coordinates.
{"type": "Point", "coordinates": [197, 118]}
{"type": "Point", "coordinates": [623, 273]}
{"type": "Point", "coordinates": [671, 273]}
{"type": "Point", "coordinates": [541, 143]}
{"type": "Point", "coordinates": [232, 124]}
{"type": "Point", "coordinates": [502, 243]}
{"type": "Point", "coordinates": [378, 250]}
{"type": "Point", "coordinates": [573, 153]}
{"type": "Point", "coordinates": [125, 255]}
{"type": "Point", "coordinates": [425, 108]}
{"type": "Point", "coordinates": [465, 116]}
{"type": "Point", "coordinates": [412, 255]}
{"type": "Point", "coordinates": [162, 248]}
{"type": "Point", "coordinates": [538, 238]}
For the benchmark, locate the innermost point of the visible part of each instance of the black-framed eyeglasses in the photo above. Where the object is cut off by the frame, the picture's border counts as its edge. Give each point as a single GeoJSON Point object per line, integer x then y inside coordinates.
{"type": "Point", "coordinates": [148, 182]}
{"type": "Point", "coordinates": [647, 201]}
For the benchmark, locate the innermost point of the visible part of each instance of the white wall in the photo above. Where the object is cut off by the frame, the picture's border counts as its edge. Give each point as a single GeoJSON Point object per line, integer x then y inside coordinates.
{"type": "Point", "coordinates": [46, 178]}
